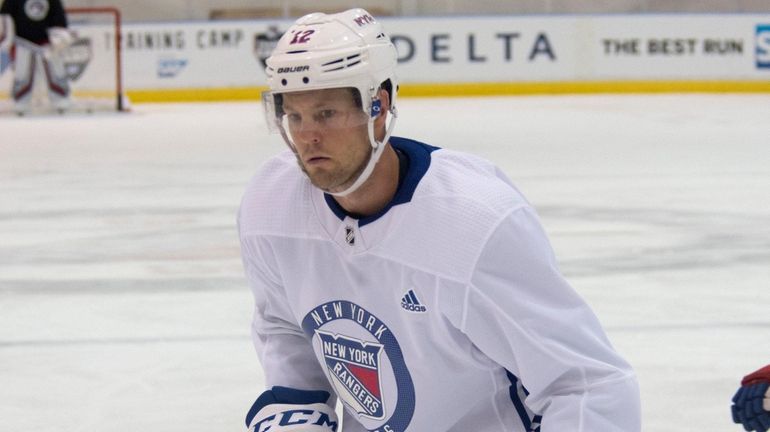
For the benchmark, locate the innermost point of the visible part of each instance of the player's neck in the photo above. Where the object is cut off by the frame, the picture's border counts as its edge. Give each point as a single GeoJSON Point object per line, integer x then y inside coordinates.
{"type": "Point", "coordinates": [378, 190]}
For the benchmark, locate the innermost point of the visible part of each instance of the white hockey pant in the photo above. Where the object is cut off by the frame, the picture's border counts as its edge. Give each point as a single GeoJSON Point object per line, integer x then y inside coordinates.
{"type": "Point", "coordinates": [33, 64]}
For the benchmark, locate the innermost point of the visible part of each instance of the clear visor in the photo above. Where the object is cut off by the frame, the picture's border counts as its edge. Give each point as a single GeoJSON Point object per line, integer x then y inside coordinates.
{"type": "Point", "coordinates": [313, 111]}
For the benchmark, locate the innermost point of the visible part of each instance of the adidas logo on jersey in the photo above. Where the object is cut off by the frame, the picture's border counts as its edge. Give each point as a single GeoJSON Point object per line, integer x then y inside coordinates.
{"type": "Point", "coordinates": [411, 303]}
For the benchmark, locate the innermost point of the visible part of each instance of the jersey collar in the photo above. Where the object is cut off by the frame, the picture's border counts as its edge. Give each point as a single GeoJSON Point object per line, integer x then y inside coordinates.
{"type": "Point", "coordinates": [419, 162]}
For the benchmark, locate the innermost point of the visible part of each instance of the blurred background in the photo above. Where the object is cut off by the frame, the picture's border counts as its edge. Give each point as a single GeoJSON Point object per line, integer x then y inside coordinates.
{"type": "Point", "coordinates": [172, 10]}
{"type": "Point", "coordinates": [205, 50]}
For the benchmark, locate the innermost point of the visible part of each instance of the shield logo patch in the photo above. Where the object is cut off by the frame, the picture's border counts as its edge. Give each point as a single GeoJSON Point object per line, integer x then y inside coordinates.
{"type": "Point", "coordinates": [264, 43]}
{"type": "Point", "coordinates": [354, 368]}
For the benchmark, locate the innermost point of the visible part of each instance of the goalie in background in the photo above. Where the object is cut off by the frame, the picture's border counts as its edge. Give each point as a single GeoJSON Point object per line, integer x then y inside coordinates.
{"type": "Point", "coordinates": [751, 403]}
{"type": "Point", "coordinates": [36, 45]}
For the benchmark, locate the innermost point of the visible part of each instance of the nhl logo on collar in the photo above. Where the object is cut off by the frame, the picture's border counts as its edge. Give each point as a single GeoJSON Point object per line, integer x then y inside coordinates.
{"type": "Point", "coordinates": [350, 235]}
{"type": "Point", "coordinates": [355, 365]}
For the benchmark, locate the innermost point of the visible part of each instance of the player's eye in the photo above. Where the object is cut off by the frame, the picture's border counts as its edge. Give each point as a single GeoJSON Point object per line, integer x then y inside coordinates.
{"type": "Point", "coordinates": [326, 115]}
{"type": "Point", "coordinates": [293, 118]}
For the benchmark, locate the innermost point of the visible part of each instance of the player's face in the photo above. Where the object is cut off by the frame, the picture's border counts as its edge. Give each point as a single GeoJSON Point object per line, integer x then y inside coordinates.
{"type": "Point", "coordinates": [329, 133]}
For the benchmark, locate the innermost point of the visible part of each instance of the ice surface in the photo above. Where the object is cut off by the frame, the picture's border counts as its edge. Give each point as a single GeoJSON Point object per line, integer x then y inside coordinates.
{"type": "Point", "coordinates": [122, 301]}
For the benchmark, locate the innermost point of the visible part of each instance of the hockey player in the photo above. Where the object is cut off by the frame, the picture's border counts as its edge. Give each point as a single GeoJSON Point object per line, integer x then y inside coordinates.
{"type": "Point", "coordinates": [41, 35]}
{"type": "Point", "coordinates": [751, 403]}
{"type": "Point", "coordinates": [412, 283]}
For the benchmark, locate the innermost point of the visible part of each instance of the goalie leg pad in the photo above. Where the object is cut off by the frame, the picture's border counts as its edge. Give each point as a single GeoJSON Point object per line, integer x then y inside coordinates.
{"type": "Point", "coordinates": [56, 77]}
{"type": "Point", "coordinates": [283, 409]}
{"type": "Point", "coordinates": [25, 63]}
{"type": "Point", "coordinates": [58, 83]}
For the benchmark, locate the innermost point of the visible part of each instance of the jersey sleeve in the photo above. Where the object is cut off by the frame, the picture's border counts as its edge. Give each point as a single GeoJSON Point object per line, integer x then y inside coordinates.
{"type": "Point", "coordinates": [285, 353]}
{"type": "Point", "coordinates": [521, 312]}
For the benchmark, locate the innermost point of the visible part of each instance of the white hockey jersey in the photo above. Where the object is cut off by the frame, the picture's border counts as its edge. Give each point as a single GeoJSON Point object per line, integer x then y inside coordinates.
{"type": "Point", "coordinates": [444, 312]}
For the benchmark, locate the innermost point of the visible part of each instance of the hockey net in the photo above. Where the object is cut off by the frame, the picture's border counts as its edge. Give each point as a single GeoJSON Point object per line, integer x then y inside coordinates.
{"type": "Point", "coordinates": [93, 63]}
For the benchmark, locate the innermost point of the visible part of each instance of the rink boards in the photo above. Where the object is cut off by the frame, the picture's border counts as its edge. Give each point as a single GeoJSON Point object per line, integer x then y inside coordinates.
{"type": "Point", "coordinates": [446, 56]}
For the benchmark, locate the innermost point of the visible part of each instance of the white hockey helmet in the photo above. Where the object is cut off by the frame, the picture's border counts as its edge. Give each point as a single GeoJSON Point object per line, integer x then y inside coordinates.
{"type": "Point", "coordinates": [325, 51]}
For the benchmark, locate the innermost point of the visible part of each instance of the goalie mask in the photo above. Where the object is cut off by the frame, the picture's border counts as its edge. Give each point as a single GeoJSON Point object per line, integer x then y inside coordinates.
{"type": "Point", "coordinates": [348, 50]}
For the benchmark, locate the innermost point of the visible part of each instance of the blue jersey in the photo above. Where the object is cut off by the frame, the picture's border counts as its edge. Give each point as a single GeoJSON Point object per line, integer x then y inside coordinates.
{"type": "Point", "coordinates": [443, 312]}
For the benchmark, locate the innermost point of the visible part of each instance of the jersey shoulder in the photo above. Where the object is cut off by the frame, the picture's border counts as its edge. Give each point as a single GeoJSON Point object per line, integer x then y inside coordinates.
{"type": "Point", "coordinates": [473, 180]}
{"type": "Point", "coordinates": [457, 206]}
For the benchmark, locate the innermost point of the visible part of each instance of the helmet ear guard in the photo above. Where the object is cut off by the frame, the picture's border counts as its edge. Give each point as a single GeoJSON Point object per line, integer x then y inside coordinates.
{"type": "Point", "coordinates": [320, 51]}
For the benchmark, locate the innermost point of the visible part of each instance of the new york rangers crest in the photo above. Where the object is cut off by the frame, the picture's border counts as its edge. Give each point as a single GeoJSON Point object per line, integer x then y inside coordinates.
{"type": "Point", "coordinates": [364, 363]}
{"type": "Point", "coordinates": [355, 366]}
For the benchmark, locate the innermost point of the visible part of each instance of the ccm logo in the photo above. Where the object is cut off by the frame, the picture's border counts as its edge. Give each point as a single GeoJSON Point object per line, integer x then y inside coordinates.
{"type": "Point", "coordinates": [293, 418]}
{"type": "Point", "coordinates": [293, 69]}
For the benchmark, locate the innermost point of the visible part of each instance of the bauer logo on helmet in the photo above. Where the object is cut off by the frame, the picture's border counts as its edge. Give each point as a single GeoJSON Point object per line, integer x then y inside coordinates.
{"type": "Point", "coordinates": [293, 69]}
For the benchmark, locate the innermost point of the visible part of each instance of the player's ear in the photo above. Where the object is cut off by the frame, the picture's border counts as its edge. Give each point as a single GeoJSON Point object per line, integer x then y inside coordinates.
{"type": "Point", "coordinates": [384, 102]}
{"type": "Point", "coordinates": [379, 121]}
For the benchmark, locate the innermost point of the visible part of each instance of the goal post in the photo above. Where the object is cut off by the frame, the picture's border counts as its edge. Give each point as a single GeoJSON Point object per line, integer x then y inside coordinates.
{"type": "Point", "coordinates": [97, 75]}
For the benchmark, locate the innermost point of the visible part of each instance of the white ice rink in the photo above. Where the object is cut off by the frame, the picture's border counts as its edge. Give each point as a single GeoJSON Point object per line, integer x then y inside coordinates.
{"type": "Point", "coordinates": [122, 301]}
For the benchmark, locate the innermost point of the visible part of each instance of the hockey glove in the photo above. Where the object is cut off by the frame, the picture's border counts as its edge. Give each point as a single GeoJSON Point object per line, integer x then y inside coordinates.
{"type": "Point", "coordinates": [60, 38]}
{"type": "Point", "coordinates": [283, 409]}
{"type": "Point", "coordinates": [751, 404]}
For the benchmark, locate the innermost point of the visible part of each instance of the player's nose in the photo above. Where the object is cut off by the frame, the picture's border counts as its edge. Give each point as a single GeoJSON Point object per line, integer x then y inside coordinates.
{"type": "Point", "coordinates": [308, 137]}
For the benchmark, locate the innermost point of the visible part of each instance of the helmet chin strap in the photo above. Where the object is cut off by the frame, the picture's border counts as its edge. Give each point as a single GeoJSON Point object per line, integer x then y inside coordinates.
{"type": "Point", "coordinates": [377, 148]}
